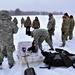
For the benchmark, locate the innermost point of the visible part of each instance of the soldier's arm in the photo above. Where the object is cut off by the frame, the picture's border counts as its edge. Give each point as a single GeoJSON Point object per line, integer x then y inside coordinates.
{"type": "Point", "coordinates": [36, 41]}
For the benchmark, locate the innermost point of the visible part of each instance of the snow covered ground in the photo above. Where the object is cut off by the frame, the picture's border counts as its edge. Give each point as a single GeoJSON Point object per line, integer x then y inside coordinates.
{"type": "Point", "coordinates": [21, 36]}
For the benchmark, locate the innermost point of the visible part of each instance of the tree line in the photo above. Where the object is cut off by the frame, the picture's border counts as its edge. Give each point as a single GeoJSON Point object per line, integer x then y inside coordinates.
{"type": "Point", "coordinates": [19, 12]}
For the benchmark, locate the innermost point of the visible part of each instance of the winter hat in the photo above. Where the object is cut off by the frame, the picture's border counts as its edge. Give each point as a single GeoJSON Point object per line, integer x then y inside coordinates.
{"type": "Point", "coordinates": [71, 16]}
{"type": "Point", "coordinates": [4, 14]}
{"type": "Point", "coordinates": [66, 14]}
{"type": "Point", "coordinates": [50, 14]}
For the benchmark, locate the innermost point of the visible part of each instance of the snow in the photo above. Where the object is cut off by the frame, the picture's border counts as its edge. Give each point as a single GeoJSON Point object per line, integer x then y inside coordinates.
{"type": "Point", "coordinates": [21, 36]}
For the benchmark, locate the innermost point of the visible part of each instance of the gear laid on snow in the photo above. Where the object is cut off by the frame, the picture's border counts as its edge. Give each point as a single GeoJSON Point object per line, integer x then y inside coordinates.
{"type": "Point", "coordinates": [34, 58]}
{"type": "Point", "coordinates": [59, 58]}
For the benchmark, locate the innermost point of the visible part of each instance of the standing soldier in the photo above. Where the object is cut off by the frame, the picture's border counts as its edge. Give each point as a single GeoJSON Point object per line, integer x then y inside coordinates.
{"type": "Point", "coordinates": [7, 29]}
{"type": "Point", "coordinates": [36, 23]}
{"type": "Point", "coordinates": [27, 24]}
{"type": "Point", "coordinates": [65, 28]}
{"type": "Point", "coordinates": [71, 27]}
{"type": "Point", "coordinates": [15, 20]}
{"type": "Point", "coordinates": [51, 25]}
{"type": "Point", "coordinates": [22, 21]}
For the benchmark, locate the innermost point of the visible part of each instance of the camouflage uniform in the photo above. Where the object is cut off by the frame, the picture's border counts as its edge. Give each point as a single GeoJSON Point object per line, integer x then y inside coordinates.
{"type": "Point", "coordinates": [71, 27]}
{"type": "Point", "coordinates": [39, 36]}
{"type": "Point", "coordinates": [27, 24]}
{"type": "Point", "coordinates": [15, 20]}
{"type": "Point", "coordinates": [22, 21]}
{"type": "Point", "coordinates": [65, 29]}
{"type": "Point", "coordinates": [7, 29]}
{"type": "Point", "coordinates": [51, 25]}
{"type": "Point", "coordinates": [36, 23]}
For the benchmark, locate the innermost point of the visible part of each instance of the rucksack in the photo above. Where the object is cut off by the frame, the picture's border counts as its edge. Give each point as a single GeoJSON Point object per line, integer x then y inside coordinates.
{"type": "Point", "coordinates": [59, 58]}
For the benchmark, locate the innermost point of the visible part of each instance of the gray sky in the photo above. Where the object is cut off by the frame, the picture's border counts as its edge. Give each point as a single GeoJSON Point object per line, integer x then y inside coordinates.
{"type": "Point", "coordinates": [39, 5]}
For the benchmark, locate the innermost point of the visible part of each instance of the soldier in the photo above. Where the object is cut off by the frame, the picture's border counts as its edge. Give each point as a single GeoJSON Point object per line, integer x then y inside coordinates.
{"type": "Point", "coordinates": [39, 36]}
{"type": "Point", "coordinates": [7, 29]}
{"type": "Point", "coordinates": [51, 25]}
{"type": "Point", "coordinates": [36, 23]}
{"type": "Point", "coordinates": [65, 28]}
{"type": "Point", "coordinates": [27, 24]}
{"type": "Point", "coordinates": [15, 20]}
{"type": "Point", "coordinates": [22, 21]}
{"type": "Point", "coordinates": [72, 23]}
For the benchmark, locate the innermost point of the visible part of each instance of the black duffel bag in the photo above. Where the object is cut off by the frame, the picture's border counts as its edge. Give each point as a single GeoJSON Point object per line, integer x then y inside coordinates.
{"type": "Point", "coordinates": [58, 59]}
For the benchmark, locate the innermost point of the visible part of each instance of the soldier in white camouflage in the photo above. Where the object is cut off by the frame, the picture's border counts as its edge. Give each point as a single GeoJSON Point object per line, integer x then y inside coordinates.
{"type": "Point", "coordinates": [51, 25]}
{"type": "Point", "coordinates": [39, 36]}
{"type": "Point", "coordinates": [7, 29]}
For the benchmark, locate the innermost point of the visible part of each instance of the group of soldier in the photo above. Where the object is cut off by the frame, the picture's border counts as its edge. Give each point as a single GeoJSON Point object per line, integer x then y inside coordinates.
{"type": "Point", "coordinates": [66, 28]}
{"type": "Point", "coordinates": [9, 27]}
{"type": "Point", "coordinates": [27, 22]}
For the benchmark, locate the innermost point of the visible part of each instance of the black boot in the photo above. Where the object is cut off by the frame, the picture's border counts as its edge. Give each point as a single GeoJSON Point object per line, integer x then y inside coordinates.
{"type": "Point", "coordinates": [51, 49]}
{"type": "Point", "coordinates": [0, 65]}
{"type": "Point", "coordinates": [10, 66]}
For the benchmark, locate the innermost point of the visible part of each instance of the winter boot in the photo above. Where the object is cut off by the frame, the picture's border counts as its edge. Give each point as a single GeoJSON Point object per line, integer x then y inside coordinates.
{"type": "Point", "coordinates": [0, 65]}
{"type": "Point", "coordinates": [51, 49]}
{"type": "Point", "coordinates": [63, 44]}
{"type": "Point", "coordinates": [74, 65]}
{"type": "Point", "coordinates": [11, 65]}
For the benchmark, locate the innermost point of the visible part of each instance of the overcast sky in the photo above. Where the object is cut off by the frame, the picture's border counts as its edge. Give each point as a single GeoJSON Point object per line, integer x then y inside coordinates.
{"type": "Point", "coordinates": [39, 5]}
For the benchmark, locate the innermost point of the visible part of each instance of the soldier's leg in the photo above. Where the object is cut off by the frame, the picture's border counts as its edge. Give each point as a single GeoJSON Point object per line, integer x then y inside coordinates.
{"type": "Point", "coordinates": [1, 55]}
{"type": "Point", "coordinates": [40, 42]}
{"type": "Point", "coordinates": [10, 56]}
{"type": "Point", "coordinates": [70, 35]}
{"type": "Point", "coordinates": [50, 43]}
{"type": "Point", "coordinates": [21, 25]}
{"type": "Point", "coordinates": [5, 52]}
{"type": "Point", "coordinates": [40, 45]}
{"type": "Point", "coordinates": [50, 37]}
{"type": "Point", "coordinates": [63, 40]}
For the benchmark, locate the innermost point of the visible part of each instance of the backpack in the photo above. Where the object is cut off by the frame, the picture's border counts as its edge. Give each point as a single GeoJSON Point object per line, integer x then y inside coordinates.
{"type": "Point", "coordinates": [59, 58]}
